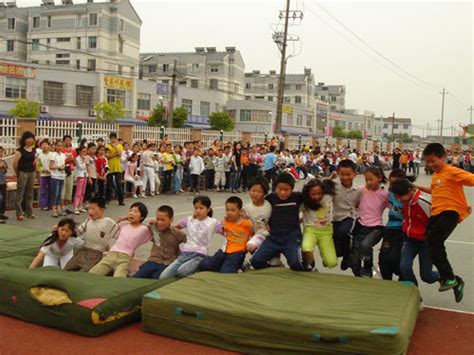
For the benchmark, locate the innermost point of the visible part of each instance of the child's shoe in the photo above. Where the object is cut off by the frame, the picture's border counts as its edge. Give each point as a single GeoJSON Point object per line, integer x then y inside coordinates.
{"type": "Point", "coordinates": [446, 285]}
{"type": "Point", "coordinates": [345, 263]}
{"type": "Point", "coordinates": [276, 262]}
{"type": "Point", "coordinates": [76, 212]}
{"type": "Point", "coordinates": [366, 272]}
{"type": "Point", "coordinates": [135, 196]}
{"type": "Point", "coordinates": [83, 210]}
{"type": "Point", "coordinates": [459, 289]}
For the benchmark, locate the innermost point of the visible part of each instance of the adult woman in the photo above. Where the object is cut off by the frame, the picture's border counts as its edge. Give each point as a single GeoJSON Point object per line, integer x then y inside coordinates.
{"type": "Point", "coordinates": [237, 167]}
{"type": "Point", "coordinates": [24, 165]}
{"type": "Point", "coordinates": [216, 145]}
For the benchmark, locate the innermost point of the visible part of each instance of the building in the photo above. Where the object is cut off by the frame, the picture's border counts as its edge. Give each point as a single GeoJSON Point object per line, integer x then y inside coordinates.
{"type": "Point", "coordinates": [334, 95]}
{"type": "Point", "coordinates": [205, 69]}
{"type": "Point", "coordinates": [400, 126]}
{"type": "Point", "coordinates": [370, 126]}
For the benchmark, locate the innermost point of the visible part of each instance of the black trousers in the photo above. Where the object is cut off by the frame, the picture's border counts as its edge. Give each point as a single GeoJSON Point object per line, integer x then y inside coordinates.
{"type": "Point", "coordinates": [118, 186]}
{"type": "Point", "coordinates": [101, 187]}
{"type": "Point", "coordinates": [342, 236]}
{"type": "Point", "coordinates": [390, 253]}
{"type": "Point", "coordinates": [209, 178]}
{"type": "Point", "coordinates": [3, 198]}
{"type": "Point", "coordinates": [195, 181]}
{"type": "Point", "coordinates": [438, 230]}
{"type": "Point", "coordinates": [167, 178]}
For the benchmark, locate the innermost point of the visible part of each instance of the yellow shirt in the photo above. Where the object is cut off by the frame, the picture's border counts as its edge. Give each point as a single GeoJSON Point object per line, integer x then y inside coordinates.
{"type": "Point", "coordinates": [115, 164]}
{"type": "Point", "coordinates": [168, 160]}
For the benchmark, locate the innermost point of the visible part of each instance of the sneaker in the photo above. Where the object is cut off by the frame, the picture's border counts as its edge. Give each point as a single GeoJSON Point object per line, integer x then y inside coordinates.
{"type": "Point", "coordinates": [276, 262]}
{"type": "Point", "coordinates": [76, 212]}
{"type": "Point", "coordinates": [446, 285]}
{"type": "Point", "coordinates": [135, 196]}
{"type": "Point", "coordinates": [246, 266]}
{"type": "Point", "coordinates": [345, 263]}
{"type": "Point", "coordinates": [68, 211]}
{"type": "Point", "coordinates": [121, 204]}
{"type": "Point", "coordinates": [55, 215]}
{"type": "Point", "coordinates": [83, 210]}
{"type": "Point", "coordinates": [314, 269]}
{"type": "Point", "coordinates": [63, 213]}
{"type": "Point", "coordinates": [366, 272]}
{"type": "Point", "coordinates": [459, 289]}
{"type": "Point", "coordinates": [143, 195]}
{"type": "Point", "coordinates": [2, 221]}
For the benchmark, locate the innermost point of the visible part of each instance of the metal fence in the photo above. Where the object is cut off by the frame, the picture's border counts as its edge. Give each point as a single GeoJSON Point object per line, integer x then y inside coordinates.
{"type": "Point", "coordinates": [256, 139]}
{"type": "Point", "coordinates": [209, 136]}
{"type": "Point", "coordinates": [175, 135]}
{"type": "Point", "coordinates": [296, 142]}
{"type": "Point", "coordinates": [8, 134]}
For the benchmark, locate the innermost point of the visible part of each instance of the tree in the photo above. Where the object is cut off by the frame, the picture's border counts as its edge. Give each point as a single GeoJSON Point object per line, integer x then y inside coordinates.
{"type": "Point", "coordinates": [338, 132]}
{"type": "Point", "coordinates": [221, 121]}
{"type": "Point", "coordinates": [26, 109]}
{"type": "Point", "coordinates": [109, 111]}
{"type": "Point", "coordinates": [400, 137]}
{"type": "Point", "coordinates": [354, 134]}
{"type": "Point", "coordinates": [156, 118]}
{"type": "Point", "coordinates": [180, 116]}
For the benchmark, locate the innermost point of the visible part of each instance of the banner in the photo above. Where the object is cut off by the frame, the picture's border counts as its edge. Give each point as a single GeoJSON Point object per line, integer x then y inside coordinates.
{"type": "Point", "coordinates": [115, 82]}
{"type": "Point", "coordinates": [17, 71]}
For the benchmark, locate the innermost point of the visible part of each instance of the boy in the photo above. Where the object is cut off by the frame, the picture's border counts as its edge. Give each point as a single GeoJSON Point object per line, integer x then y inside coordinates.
{"type": "Point", "coordinates": [148, 169]}
{"type": "Point", "coordinates": [196, 167]}
{"type": "Point", "coordinates": [269, 162]}
{"type": "Point", "coordinates": [168, 166]}
{"type": "Point", "coordinates": [210, 169]}
{"type": "Point", "coordinates": [285, 232]}
{"type": "Point", "coordinates": [345, 209]}
{"type": "Point", "coordinates": [3, 187]}
{"type": "Point", "coordinates": [98, 232]}
{"type": "Point", "coordinates": [449, 207]}
{"type": "Point", "coordinates": [228, 167]}
{"type": "Point", "coordinates": [237, 231]}
{"type": "Point", "coordinates": [101, 167]}
{"type": "Point", "coordinates": [166, 241]}
{"type": "Point", "coordinates": [220, 163]}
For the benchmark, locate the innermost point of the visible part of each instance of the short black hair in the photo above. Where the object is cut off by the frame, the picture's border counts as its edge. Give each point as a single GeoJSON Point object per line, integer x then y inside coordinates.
{"type": "Point", "coordinates": [98, 201]}
{"type": "Point", "coordinates": [235, 200]}
{"type": "Point", "coordinates": [113, 135]}
{"type": "Point", "coordinates": [435, 149]}
{"type": "Point", "coordinates": [378, 172]}
{"type": "Point", "coordinates": [142, 208]}
{"type": "Point", "coordinates": [401, 187]}
{"type": "Point", "coordinates": [285, 178]}
{"type": "Point", "coordinates": [261, 181]}
{"type": "Point", "coordinates": [166, 209]}
{"type": "Point", "coordinates": [66, 137]}
{"type": "Point", "coordinates": [347, 163]}
{"type": "Point", "coordinates": [90, 145]}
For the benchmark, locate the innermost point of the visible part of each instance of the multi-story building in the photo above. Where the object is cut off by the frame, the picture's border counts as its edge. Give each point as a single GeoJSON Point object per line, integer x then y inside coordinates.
{"type": "Point", "coordinates": [369, 125]}
{"type": "Point", "coordinates": [400, 125]}
{"type": "Point", "coordinates": [334, 95]}
{"type": "Point", "coordinates": [205, 69]}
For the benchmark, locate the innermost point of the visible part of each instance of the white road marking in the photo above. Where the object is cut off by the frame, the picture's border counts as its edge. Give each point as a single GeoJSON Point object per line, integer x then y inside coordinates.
{"type": "Point", "coordinates": [450, 310]}
{"type": "Point", "coordinates": [459, 242]}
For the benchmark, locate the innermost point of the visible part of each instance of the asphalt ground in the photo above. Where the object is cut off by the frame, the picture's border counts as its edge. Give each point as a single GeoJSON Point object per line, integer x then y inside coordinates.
{"type": "Point", "coordinates": [460, 245]}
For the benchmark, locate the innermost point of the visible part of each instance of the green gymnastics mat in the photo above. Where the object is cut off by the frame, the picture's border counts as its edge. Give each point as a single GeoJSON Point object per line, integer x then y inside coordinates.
{"type": "Point", "coordinates": [20, 241]}
{"type": "Point", "coordinates": [281, 311]}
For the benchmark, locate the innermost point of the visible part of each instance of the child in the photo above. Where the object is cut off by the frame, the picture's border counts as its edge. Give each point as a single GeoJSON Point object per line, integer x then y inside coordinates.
{"type": "Point", "coordinates": [317, 218]}
{"type": "Point", "coordinates": [259, 211]}
{"type": "Point", "coordinates": [98, 232]}
{"type": "Point", "coordinates": [158, 171]}
{"type": "Point", "coordinates": [58, 248]}
{"type": "Point", "coordinates": [101, 168]}
{"type": "Point", "coordinates": [168, 166]}
{"type": "Point", "coordinates": [132, 234]}
{"type": "Point", "coordinates": [201, 227]}
{"type": "Point", "coordinates": [209, 173]}
{"type": "Point", "coordinates": [165, 247]}
{"type": "Point", "coordinates": [220, 164]}
{"type": "Point", "coordinates": [416, 212]}
{"type": "Point", "coordinates": [57, 167]}
{"type": "Point", "coordinates": [42, 166]}
{"type": "Point", "coordinates": [148, 169]}
{"type": "Point", "coordinates": [393, 236]}
{"type": "Point", "coordinates": [196, 167]}
{"type": "Point", "coordinates": [449, 208]}
{"type": "Point", "coordinates": [237, 231]}
{"type": "Point", "coordinates": [131, 175]}
{"type": "Point", "coordinates": [345, 209]}
{"type": "Point", "coordinates": [3, 187]}
{"type": "Point", "coordinates": [91, 188]}
{"type": "Point", "coordinates": [82, 174]}
{"type": "Point", "coordinates": [369, 227]}
{"type": "Point", "coordinates": [284, 224]}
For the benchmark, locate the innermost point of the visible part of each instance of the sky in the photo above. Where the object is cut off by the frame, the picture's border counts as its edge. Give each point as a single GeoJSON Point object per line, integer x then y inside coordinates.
{"type": "Point", "coordinates": [427, 46]}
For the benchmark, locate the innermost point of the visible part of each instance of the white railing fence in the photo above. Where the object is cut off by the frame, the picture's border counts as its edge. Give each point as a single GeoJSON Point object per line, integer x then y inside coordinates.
{"type": "Point", "coordinates": [209, 136]}
{"type": "Point", "coordinates": [256, 139]}
{"type": "Point", "coordinates": [8, 134]}
{"type": "Point", "coordinates": [176, 136]}
{"type": "Point", "coordinates": [294, 142]}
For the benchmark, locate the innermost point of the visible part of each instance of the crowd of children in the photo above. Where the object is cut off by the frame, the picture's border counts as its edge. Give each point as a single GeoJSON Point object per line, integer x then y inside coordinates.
{"type": "Point", "coordinates": [341, 219]}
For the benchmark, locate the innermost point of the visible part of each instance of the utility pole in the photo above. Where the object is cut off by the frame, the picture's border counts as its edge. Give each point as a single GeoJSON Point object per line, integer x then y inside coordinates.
{"type": "Point", "coordinates": [173, 92]}
{"type": "Point", "coordinates": [427, 130]}
{"type": "Point", "coordinates": [470, 109]}
{"type": "Point", "coordinates": [444, 93]}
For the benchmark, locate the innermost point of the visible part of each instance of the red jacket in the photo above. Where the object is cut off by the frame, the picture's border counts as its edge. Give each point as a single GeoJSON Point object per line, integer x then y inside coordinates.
{"type": "Point", "coordinates": [415, 216]}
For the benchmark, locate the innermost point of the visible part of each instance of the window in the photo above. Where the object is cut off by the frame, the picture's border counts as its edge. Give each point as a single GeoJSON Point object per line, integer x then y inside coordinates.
{"type": "Point", "coordinates": [325, 88]}
{"type": "Point", "coordinates": [78, 64]}
{"type": "Point", "coordinates": [309, 121]}
{"type": "Point", "coordinates": [195, 68]}
{"type": "Point", "coordinates": [287, 99]}
{"type": "Point", "coordinates": [323, 98]}
{"type": "Point", "coordinates": [35, 43]}
{"type": "Point", "coordinates": [194, 83]}
{"type": "Point", "coordinates": [48, 43]}
{"type": "Point", "coordinates": [214, 84]}
{"type": "Point", "coordinates": [36, 22]}
{"type": "Point", "coordinates": [289, 119]}
{"type": "Point", "coordinates": [114, 95]}
{"type": "Point", "coordinates": [260, 116]}
{"type": "Point", "coordinates": [63, 55]}
{"type": "Point", "coordinates": [63, 39]}
{"type": "Point", "coordinates": [53, 93]}
{"type": "Point", "coordinates": [205, 108]}
{"type": "Point", "coordinates": [144, 102]}
{"type": "Point", "coordinates": [287, 87]}
{"type": "Point", "coordinates": [259, 97]}
{"type": "Point", "coordinates": [188, 105]}
{"type": "Point", "coordinates": [395, 126]}
{"type": "Point", "coordinates": [165, 81]}
{"type": "Point", "coordinates": [214, 69]}
{"type": "Point", "coordinates": [49, 21]}
{"type": "Point", "coordinates": [93, 42]}
{"type": "Point", "coordinates": [236, 87]}
{"type": "Point", "coordinates": [91, 65]}
{"type": "Point", "coordinates": [217, 107]}
{"type": "Point", "coordinates": [166, 68]}
{"type": "Point", "coordinates": [182, 82]}
{"type": "Point", "coordinates": [84, 96]}
{"type": "Point", "coordinates": [298, 87]}
{"type": "Point", "coordinates": [270, 86]}
{"type": "Point", "coordinates": [245, 115]}
{"type": "Point", "coordinates": [92, 19]}
{"type": "Point", "coordinates": [405, 126]}
{"type": "Point", "coordinates": [78, 43]}
{"type": "Point", "coordinates": [350, 126]}
{"type": "Point", "coordinates": [248, 86]}
{"type": "Point", "coordinates": [385, 125]}
{"type": "Point", "coordinates": [248, 98]}
{"type": "Point", "coordinates": [299, 120]}
{"type": "Point", "coordinates": [62, 61]}
{"type": "Point", "coordinates": [15, 88]}
{"type": "Point", "coordinates": [10, 45]}
{"type": "Point", "coordinates": [333, 98]}
{"type": "Point", "coordinates": [35, 61]}
{"type": "Point", "coordinates": [120, 69]}
{"type": "Point", "coordinates": [11, 23]}
{"type": "Point", "coordinates": [270, 98]}
{"type": "Point", "coordinates": [120, 45]}
{"type": "Point", "coordinates": [152, 68]}
{"type": "Point", "coordinates": [297, 99]}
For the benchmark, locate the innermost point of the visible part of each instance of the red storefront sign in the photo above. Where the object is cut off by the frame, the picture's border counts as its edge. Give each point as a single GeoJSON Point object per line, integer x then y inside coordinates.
{"type": "Point", "coordinates": [17, 71]}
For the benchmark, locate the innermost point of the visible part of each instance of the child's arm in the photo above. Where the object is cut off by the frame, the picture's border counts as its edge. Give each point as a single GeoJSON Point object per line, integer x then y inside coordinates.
{"type": "Point", "coordinates": [122, 219]}
{"type": "Point", "coordinates": [463, 177]}
{"type": "Point", "coordinates": [38, 260]}
{"type": "Point", "coordinates": [182, 224]}
{"type": "Point", "coordinates": [424, 189]}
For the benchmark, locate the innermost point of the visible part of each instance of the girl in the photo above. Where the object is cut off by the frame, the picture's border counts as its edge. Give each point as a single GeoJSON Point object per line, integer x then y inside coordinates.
{"type": "Point", "coordinates": [58, 248]}
{"type": "Point", "coordinates": [91, 188]}
{"type": "Point", "coordinates": [196, 168]}
{"type": "Point", "coordinates": [369, 227]}
{"type": "Point", "coordinates": [57, 167]}
{"type": "Point", "coordinates": [101, 168]}
{"type": "Point", "coordinates": [237, 167]}
{"type": "Point", "coordinates": [131, 174]}
{"type": "Point", "coordinates": [82, 173]}
{"type": "Point", "coordinates": [317, 221]}
{"type": "Point", "coordinates": [201, 227]}
{"type": "Point", "coordinates": [132, 234]}
{"type": "Point", "coordinates": [42, 166]}
{"type": "Point", "coordinates": [178, 169]}
{"type": "Point", "coordinates": [258, 211]}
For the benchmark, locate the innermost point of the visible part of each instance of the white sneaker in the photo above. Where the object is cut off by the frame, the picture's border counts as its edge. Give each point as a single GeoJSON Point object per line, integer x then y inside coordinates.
{"type": "Point", "coordinates": [83, 210]}
{"type": "Point", "coordinates": [276, 261]}
{"type": "Point", "coordinates": [135, 196]}
{"type": "Point", "coordinates": [76, 212]}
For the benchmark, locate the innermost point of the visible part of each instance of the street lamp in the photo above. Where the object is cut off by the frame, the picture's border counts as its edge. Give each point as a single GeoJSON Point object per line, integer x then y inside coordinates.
{"type": "Point", "coordinates": [221, 132]}
{"type": "Point", "coordinates": [162, 133]}
{"type": "Point", "coordinates": [299, 142]}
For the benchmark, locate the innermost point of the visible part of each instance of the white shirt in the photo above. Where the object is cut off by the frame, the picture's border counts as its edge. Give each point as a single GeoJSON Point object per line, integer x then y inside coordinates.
{"type": "Point", "coordinates": [320, 218]}
{"type": "Point", "coordinates": [54, 250]}
{"type": "Point", "coordinates": [196, 165]}
{"type": "Point", "coordinates": [59, 161]}
{"type": "Point", "coordinates": [259, 215]}
{"type": "Point", "coordinates": [44, 160]}
{"type": "Point", "coordinates": [81, 166]}
{"type": "Point", "coordinates": [353, 157]}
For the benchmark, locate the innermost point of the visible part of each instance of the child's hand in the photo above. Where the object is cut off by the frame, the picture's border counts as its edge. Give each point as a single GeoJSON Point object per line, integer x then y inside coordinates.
{"type": "Point", "coordinates": [54, 228]}
{"type": "Point", "coordinates": [152, 222]}
{"type": "Point", "coordinates": [177, 226]}
{"type": "Point", "coordinates": [122, 219]}
{"type": "Point", "coordinates": [333, 175]}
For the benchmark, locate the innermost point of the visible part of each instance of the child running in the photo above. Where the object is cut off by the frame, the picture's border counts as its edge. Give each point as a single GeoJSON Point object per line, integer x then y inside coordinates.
{"type": "Point", "coordinates": [369, 227]}
{"type": "Point", "coordinates": [201, 227]}
{"type": "Point", "coordinates": [449, 207]}
{"type": "Point", "coordinates": [58, 248]}
{"type": "Point", "coordinates": [237, 231]}
{"type": "Point", "coordinates": [132, 234]}
{"type": "Point", "coordinates": [317, 219]}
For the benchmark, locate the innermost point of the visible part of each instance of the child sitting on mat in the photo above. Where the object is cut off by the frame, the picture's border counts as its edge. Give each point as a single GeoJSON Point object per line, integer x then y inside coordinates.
{"type": "Point", "coordinates": [132, 234]}
{"type": "Point", "coordinates": [58, 248]}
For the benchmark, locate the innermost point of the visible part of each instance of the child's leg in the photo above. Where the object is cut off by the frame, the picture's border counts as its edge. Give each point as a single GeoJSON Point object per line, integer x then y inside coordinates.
{"type": "Point", "coordinates": [341, 236]}
{"type": "Point", "coordinates": [106, 265]}
{"type": "Point", "coordinates": [213, 263]}
{"type": "Point", "coordinates": [292, 251]}
{"type": "Point", "coordinates": [232, 263]}
{"type": "Point", "coordinates": [326, 247]}
{"type": "Point", "coordinates": [438, 230]}
{"type": "Point", "coordinates": [190, 266]}
{"type": "Point", "coordinates": [172, 269]}
{"type": "Point", "coordinates": [265, 253]}
{"type": "Point", "coordinates": [3, 199]}
{"type": "Point", "coordinates": [122, 265]}
{"type": "Point", "coordinates": [51, 260]}
{"type": "Point", "coordinates": [147, 270]}
{"type": "Point", "coordinates": [310, 239]}
{"type": "Point", "coordinates": [367, 245]}
{"type": "Point", "coordinates": [409, 252]}
{"type": "Point", "coordinates": [427, 273]}
{"type": "Point", "coordinates": [65, 259]}
{"type": "Point", "coordinates": [389, 257]}
{"type": "Point", "coordinates": [355, 255]}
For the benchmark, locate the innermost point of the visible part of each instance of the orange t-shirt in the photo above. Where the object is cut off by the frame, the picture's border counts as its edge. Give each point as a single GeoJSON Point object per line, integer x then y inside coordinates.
{"type": "Point", "coordinates": [404, 159]}
{"type": "Point", "coordinates": [447, 191]}
{"type": "Point", "coordinates": [237, 235]}
{"type": "Point", "coordinates": [245, 160]}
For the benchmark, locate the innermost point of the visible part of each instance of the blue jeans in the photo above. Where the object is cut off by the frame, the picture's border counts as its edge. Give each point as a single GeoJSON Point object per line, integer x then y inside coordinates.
{"type": "Point", "coordinates": [342, 236]}
{"type": "Point", "coordinates": [236, 180]}
{"type": "Point", "coordinates": [150, 270]}
{"type": "Point", "coordinates": [177, 179]}
{"type": "Point", "coordinates": [223, 262]}
{"type": "Point", "coordinates": [186, 264]}
{"type": "Point", "coordinates": [56, 188]}
{"type": "Point", "coordinates": [411, 248]}
{"type": "Point", "coordinates": [287, 243]}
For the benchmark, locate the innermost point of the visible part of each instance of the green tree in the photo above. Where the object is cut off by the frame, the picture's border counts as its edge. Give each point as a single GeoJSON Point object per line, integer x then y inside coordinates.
{"type": "Point", "coordinates": [400, 137]}
{"type": "Point", "coordinates": [338, 132]}
{"type": "Point", "coordinates": [221, 121]}
{"type": "Point", "coordinates": [354, 134]}
{"type": "Point", "coordinates": [109, 111]}
{"type": "Point", "coordinates": [26, 109]}
{"type": "Point", "coordinates": [180, 116]}
{"type": "Point", "coordinates": [157, 116]}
